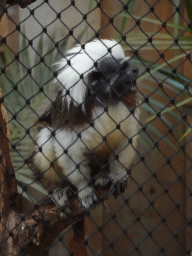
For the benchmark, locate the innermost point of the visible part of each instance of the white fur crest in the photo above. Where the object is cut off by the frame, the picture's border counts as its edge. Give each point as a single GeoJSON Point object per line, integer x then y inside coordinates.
{"type": "Point", "coordinates": [79, 62]}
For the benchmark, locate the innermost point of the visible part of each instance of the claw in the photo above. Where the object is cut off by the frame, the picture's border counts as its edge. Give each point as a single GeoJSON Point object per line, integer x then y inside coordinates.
{"type": "Point", "coordinates": [102, 181]}
{"type": "Point", "coordinates": [87, 197]}
{"type": "Point", "coordinates": [115, 187]}
{"type": "Point", "coordinates": [59, 196]}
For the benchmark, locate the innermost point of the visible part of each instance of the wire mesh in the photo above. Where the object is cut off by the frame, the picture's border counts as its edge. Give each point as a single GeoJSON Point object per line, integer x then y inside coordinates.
{"type": "Point", "coordinates": [153, 215]}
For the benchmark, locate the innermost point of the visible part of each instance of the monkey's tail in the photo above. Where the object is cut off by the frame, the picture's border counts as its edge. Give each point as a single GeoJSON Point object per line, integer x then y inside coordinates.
{"type": "Point", "coordinates": [77, 245]}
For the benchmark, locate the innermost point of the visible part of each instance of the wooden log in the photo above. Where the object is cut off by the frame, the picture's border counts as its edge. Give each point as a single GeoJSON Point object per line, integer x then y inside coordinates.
{"type": "Point", "coordinates": [30, 233]}
{"type": "Point", "coordinates": [2, 7]}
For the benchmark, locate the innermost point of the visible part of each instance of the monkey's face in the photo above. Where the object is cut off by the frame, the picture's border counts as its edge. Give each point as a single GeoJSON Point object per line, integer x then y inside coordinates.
{"type": "Point", "coordinates": [113, 80]}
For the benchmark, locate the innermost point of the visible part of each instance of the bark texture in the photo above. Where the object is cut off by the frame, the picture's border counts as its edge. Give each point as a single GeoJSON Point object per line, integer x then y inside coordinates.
{"type": "Point", "coordinates": [2, 7]}
{"type": "Point", "coordinates": [34, 232]}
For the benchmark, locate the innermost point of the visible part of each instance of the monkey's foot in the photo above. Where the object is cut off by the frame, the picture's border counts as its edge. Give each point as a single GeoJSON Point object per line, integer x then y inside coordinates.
{"type": "Point", "coordinates": [87, 197]}
{"type": "Point", "coordinates": [116, 187]}
{"type": "Point", "coordinates": [59, 196]}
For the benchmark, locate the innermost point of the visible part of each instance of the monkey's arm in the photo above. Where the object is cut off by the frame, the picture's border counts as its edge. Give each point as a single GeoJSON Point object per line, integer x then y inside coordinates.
{"type": "Point", "coordinates": [122, 158]}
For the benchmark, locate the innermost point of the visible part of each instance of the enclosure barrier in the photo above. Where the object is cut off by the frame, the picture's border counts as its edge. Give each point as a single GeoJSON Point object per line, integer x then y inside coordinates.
{"type": "Point", "coordinates": [153, 215]}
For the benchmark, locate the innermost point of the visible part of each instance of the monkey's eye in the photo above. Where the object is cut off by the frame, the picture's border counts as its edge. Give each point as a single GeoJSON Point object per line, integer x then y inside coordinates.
{"type": "Point", "coordinates": [93, 80]}
{"type": "Point", "coordinates": [136, 71]}
{"type": "Point", "coordinates": [94, 83]}
{"type": "Point", "coordinates": [93, 87]}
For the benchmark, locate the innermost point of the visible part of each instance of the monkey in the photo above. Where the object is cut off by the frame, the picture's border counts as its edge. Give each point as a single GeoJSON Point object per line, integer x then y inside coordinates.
{"type": "Point", "coordinates": [91, 129]}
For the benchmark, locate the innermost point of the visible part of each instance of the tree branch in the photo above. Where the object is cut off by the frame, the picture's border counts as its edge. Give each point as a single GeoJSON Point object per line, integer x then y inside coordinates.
{"type": "Point", "coordinates": [33, 233]}
{"type": "Point", "coordinates": [42, 226]}
{"type": "Point", "coordinates": [30, 233]}
{"type": "Point", "coordinates": [2, 7]}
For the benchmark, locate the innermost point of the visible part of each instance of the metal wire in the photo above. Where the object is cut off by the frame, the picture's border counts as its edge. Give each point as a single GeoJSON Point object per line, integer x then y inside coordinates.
{"type": "Point", "coordinates": [153, 216]}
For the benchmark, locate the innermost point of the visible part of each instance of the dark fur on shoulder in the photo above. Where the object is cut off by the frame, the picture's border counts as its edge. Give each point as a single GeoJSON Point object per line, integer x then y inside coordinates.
{"type": "Point", "coordinates": [60, 116]}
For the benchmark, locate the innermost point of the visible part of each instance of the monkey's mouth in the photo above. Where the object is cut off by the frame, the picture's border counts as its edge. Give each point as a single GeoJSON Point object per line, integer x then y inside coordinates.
{"type": "Point", "coordinates": [131, 97]}
{"type": "Point", "coordinates": [128, 89]}
{"type": "Point", "coordinates": [133, 88]}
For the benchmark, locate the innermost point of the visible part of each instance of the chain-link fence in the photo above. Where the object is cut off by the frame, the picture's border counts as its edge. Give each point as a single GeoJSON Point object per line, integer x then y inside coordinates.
{"type": "Point", "coordinates": [89, 131]}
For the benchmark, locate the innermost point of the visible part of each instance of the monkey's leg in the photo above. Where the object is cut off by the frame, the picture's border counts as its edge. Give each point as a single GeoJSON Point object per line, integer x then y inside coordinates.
{"type": "Point", "coordinates": [120, 162]}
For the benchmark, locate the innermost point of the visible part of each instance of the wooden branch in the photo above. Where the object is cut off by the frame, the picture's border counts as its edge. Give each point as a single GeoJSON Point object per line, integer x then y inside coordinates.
{"type": "Point", "coordinates": [41, 227]}
{"type": "Point", "coordinates": [10, 184]}
{"type": "Point", "coordinates": [30, 233]}
{"type": "Point", "coordinates": [33, 233]}
{"type": "Point", "coordinates": [2, 7]}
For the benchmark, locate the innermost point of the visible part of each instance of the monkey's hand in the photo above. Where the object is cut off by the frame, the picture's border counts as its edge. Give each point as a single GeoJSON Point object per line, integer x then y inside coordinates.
{"type": "Point", "coordinates": [59, 196]}
{"type": "Point", "coordinates": [87, 197]}
{"type": "Point", "coordinates": [115, 180]}
{"type": "Point", "coordinates": [115, 186]}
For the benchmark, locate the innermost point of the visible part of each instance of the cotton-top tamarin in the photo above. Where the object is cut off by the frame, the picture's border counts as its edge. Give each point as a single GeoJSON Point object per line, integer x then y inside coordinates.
{"type": "Point", "coordinates": [91, 131]}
